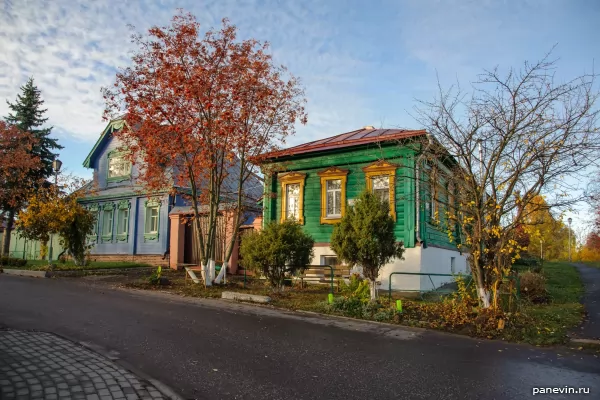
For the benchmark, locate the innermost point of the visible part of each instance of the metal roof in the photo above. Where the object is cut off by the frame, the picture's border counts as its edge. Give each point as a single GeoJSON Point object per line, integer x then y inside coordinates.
{"type": "Point", "coordinates": [354, 138]}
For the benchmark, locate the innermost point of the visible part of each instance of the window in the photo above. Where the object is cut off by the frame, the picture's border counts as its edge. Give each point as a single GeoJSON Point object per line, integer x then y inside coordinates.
{"type": "Point", "coordinates": [452, 265]}
{"type": "Point", "coordinates": [292, 201]}
{"type": "Point", "coordinates": [381, 180]}
{"type": "Point", "coordinates": [123, 223]}
{"type": "Point", "coordinates": [381, 187]}
{"type": "Point", "coordinates": [118, 166]}
{"type": "Point", "coordinates": [329, 260]}
{"type": "Point", "coordinates": [123, 220]}
{"type": "Point", "coordinates": [334, 198]}
{"type": "Point", "coordinates": [433, 195]}
{"type": "Point", "coordinates": [333, 194]}
{"type": "Point", "coordinates": [107, 221]}
{"type": "Point", "coordinates": [442, 202]}
{"type": "Point", "coordinates": [94, 209]}
{"type": "Point", "coordinates": [152, 221]}
{"type": "Point", "coordinates": [292, 196]}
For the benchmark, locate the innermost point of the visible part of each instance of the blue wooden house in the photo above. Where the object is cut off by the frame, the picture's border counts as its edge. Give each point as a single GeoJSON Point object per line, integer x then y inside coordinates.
{"type": "Point", "coordinates": [129, 225]}
{"type": "Point", "coordinates": [132, 226]}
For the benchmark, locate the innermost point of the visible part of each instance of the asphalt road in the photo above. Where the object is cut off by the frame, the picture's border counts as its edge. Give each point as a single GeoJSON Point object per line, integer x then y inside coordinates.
{"type": "Point", "coordinates": [591, 300]}
{"type": "Point", "coordinates": [211, 349]}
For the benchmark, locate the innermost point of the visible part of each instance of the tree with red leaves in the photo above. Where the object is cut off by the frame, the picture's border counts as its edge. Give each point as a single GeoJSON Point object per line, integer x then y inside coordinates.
{"type": "Point", "coordinates": [15, 170]}
{"type": "Point", "coordinates": [201, 113]}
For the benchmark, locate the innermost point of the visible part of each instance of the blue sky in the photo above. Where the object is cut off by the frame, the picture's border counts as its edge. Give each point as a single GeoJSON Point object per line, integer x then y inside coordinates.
{"type": "Point", "coordinates": [362, 62]}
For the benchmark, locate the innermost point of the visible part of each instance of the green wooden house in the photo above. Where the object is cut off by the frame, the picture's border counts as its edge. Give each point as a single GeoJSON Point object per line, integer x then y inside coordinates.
{"type": "Point", "coordinates": [315, 182]}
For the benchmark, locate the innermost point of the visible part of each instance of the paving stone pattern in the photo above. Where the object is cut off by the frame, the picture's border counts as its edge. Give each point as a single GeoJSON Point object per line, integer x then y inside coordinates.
{"type": "Point", "coordinates": [38, 365]}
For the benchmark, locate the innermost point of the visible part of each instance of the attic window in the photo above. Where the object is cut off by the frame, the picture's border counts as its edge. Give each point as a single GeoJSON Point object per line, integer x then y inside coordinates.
{"type": "Point", "coordinates": [118, 166]}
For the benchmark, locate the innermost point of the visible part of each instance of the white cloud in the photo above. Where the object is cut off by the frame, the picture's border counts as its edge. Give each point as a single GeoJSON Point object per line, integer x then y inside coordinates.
{"type": "Point", "coordinates": [73, 48]}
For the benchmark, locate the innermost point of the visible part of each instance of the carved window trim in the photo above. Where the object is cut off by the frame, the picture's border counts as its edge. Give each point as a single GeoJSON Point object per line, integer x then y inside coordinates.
{"type": "Point", "coordinates": [332, 174]}
{"type": "Point", "coordinates": [94, 208]}
{"type": "Point", "coordinates": [152, 203]}
{"type": "Point", "coordinates": [292, 178]}
{"type": "Point", "coordinates": [105, 236]}
{"type": "Point", "coordinates": [123, 205]}
{"type": "Point", "coordinates": [383, 168]}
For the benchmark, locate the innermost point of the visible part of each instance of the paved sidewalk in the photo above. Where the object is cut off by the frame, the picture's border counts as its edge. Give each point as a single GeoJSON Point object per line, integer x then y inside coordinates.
{"type": "Point", "coordinates": [590, 329]}
{"type": "Point", "coordinates": [38, 365]}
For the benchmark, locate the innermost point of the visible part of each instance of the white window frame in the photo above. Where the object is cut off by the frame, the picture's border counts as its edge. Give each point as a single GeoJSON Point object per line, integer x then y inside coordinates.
{"type": "Point", "coordinates": [117, 158]}
{"type": "Point", "coordinates": [333, 191]}
{"type": "Point", "coordinates": [373, 189]}
{"type": "Point", "coordinates": [149, 207]}
{"type": "Point", "coordinates": [296, 215]}
{"type": "Point", "coordinates": [325, 257]}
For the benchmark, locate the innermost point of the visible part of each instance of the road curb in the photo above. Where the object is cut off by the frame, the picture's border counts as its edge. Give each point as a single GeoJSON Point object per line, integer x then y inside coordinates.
{"type": "Point", "coordinates": [26, 272]}
{"type": "Point", "coordinates": [586, 341]}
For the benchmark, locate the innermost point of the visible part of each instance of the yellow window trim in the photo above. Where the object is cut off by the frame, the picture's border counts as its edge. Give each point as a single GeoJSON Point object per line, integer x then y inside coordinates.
{"type": "Point", "coordinates": [289, 179]}
{"type": "Point", "coordinates": [380, 168]}
{"type": "Point", "coordinates": [332, 173]}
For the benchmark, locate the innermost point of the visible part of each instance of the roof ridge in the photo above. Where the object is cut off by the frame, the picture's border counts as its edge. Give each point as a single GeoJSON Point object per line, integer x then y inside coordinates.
{"type": "Point", "coordinates": [349, 139]}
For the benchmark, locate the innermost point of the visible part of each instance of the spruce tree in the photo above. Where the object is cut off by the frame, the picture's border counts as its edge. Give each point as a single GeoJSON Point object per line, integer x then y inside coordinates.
{"type": "Point", "coordinates": [27, 113]}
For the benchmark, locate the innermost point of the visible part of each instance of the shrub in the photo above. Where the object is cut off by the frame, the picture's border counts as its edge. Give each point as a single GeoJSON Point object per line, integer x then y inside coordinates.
{"type": "Point", "coordinates": [348, 306]}
{"type": "Point", "coordinates": [278, 251]}
{"type": "Point", "coordinates": [12, 262]}
{"type": "Point", "coordinates": [155, 278]}
{"type": "Point", "coordinates": [533, 287]}
{"type": "Point", "coordinates": [365, 236]}
{"type": "Point", "coordinates": [54, 212]}
{"type": "Point", "coordinates": [357, 307]}
{"type": "Point", "coordinates": [527, 262]}
{"type": "Point", "coordinates": [356, 288]}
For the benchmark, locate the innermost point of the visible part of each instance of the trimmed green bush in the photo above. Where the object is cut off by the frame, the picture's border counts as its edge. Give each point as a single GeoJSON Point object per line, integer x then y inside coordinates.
{"type": "Point", "coordinates": [12, 262]}
{"type": "Point", "coordinates": [278, 251]}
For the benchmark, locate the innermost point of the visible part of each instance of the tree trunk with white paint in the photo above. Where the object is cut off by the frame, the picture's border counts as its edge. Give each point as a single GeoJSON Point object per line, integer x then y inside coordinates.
{"type": "Point", "coordinates": [222, 273]}
{"type": "Point", "coordinates": [211, 266]}
{"type": "Point", "coordinates": [484, 297]}
{"type": "Point", "coordinates": [373, 289]}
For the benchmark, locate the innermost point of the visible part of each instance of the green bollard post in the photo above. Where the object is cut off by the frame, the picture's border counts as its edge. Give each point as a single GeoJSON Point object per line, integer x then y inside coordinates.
{"type": "Point", "coordinates": [399, 305]}
{"type": "Point", "coordinates": [330, 298]}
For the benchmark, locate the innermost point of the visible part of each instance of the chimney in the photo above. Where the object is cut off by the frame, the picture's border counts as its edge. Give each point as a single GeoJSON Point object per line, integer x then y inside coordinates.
{"type": "Point", "coordinates": [369, 127]}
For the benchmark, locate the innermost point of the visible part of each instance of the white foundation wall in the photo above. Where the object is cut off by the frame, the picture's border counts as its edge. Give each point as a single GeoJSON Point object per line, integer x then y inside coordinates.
{"type": "Point", "coordinates": [321, 251]}
{"type": "Point", "coordinates": [435, 260]}
{"type": "Point", "coordinates": [424, 260]}
{"type": "Point", "coordinates": [411, 263]}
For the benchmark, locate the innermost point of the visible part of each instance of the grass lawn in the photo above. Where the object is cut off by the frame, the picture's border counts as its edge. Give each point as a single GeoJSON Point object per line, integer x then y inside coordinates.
{"type": "Point", "coordinates": [310, 298]}
{"type": "Point", "coordinates": [551, 322]}
{"type": "Point", "coordinates": [42, 265]}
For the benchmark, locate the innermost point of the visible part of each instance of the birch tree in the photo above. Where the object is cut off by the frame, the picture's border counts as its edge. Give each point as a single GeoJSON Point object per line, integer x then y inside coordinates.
{"type": "Point", "coordinates": [514, 136]}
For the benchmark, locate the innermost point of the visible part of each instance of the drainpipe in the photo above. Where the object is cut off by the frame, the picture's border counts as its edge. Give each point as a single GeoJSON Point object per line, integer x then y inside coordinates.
{"type": "Point", "coordinates": [418, 188]}
{"type": "Point", "coordinates": [170, 206]}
